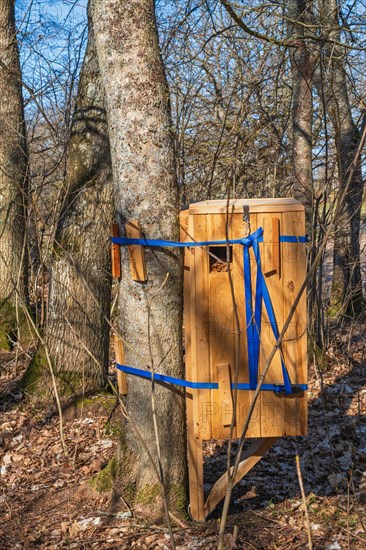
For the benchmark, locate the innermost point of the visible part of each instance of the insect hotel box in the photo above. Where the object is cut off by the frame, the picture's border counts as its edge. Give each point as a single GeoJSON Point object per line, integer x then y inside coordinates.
{"type": "Point", "coordinates": [239, 291]}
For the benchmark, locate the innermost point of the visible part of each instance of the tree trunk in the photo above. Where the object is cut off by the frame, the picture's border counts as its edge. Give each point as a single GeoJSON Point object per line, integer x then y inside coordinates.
{"type": "Point", "coordinates": [303, 59]}
{"type": "Point", "coordinates": [80, 279]}
{"type": "Point", "coordinates": [145, 185]}
{"type": "Point", "coordinates": [347, 281]}
{"type": "Point", "coordinates": [13, 173]}
{"type": "Point", "coordinates": [302, 68]}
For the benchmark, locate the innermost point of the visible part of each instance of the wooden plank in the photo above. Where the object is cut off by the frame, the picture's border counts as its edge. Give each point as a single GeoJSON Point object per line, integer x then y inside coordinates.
{"type": "Point", "coordinates": [120, 359]}
{"type": "Point", "coordinates": [194, 447]}
{"type": "Point", "coordinates": [200, 329]}
{"type": "Point", "coordinates": [221, 322]}
{"type": "Point", "coordinates": [225, 392]}
{"type": "Point", "coordinates": [255, 206]}
{"type": "Point", "coordinates": [251, 457]}
{"type": "Point", "coordinates": [116, 253]}
{"type": "Point", "coordinates": [183, 225]}
{"type": "Point", "coordinates": [295, 342]}
{"type": "Point", "coordinates": [273, 208]}
{"type": "Point", "coordinates": [272, 256]}
{"type": "Point", "coordinates": [244, 398]}
{"type": "Point", "coordinates": [276, 245]}
{"type": "Point", "coordinates": [195, 473]}
{"type": "Point", "coordinates": [136, 253]}
{"type": "Point", "coordinates": [272, 404]}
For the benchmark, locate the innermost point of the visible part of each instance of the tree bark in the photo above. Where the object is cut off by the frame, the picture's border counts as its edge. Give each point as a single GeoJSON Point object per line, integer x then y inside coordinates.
{"type": "Point", "coordinates": [13, 171]}
{"type": "Point", "coordinates": [145, 185]}
{"type": "Point", "coordinates": [302, 68]}
{"type": "Point", "coordinates": [80, 279]}
{"type": "Point", "coordinates": [347, 281]}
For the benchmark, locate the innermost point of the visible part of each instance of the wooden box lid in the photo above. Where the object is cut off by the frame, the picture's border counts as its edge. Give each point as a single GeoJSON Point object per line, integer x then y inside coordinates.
{"type": "Point", "coordinates": [237, 206]}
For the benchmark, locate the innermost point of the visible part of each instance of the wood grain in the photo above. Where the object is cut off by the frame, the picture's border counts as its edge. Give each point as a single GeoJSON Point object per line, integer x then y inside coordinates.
{"type": "Point", "coordinates": [136, 253]}
{"type": "Point", "coordinates": [116, 253]}
{"type": "Point", "coordinates": [120, 359]}
{"type": "Point", "coordinates": [295, 341]}
{"type": "Point", "coordinates": [272, 404]}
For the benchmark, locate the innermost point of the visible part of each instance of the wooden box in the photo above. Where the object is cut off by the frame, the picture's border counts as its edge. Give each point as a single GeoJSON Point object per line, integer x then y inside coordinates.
{"type": "Point", "coordinates": [211, 340]}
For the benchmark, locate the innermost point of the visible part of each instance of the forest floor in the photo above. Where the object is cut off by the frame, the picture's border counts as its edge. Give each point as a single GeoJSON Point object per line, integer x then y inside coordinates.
{"type": "Point", "coordinates": [49, 501]}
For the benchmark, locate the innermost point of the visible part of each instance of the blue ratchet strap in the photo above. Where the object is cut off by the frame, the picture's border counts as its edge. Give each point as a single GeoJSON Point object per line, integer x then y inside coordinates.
{"type": "Point", "coordinates": [253, 315]}
{"type": "Point", "coordinates": [278, 388]}
{"type": "Point", "coordinates": [262, 294]}
{"type": "Point", "coordinates": [246, 241]}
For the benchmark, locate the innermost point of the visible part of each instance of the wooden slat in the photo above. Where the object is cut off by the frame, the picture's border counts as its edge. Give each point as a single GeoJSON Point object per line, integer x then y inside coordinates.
{"type": "Point", "coordinates": [183, 225]}
{"type": "Point", "coordinates": [201, 330]}
{"type": "Point", "coordinates": [120, 359]}
{"type": "Point", "coordinates": [225, 393]}
{"type": "Point", "coordinates": [251, 457]}
{"type": "Point", "coordinates": [244, 398]}
{"type": "Point", "coordinates": [295, 343]}
{"type": "Point", "coordinates": [136, 253]}
{"type": "Point", "coordinates": [221, 322]}
{"type": "Point", "coordinates": [185, 222]}
{"type": "Point", "coordinates": [272, 404]}
{"type": "Point", "coordinates": [195, 470]}
{"type": "Point", "coordinates": [255, 206]}
{"type": "Point", "coordinates": [116, 253]}
{"type": "Point", "coordinates": [276, 245]}
{"type": "Point", "coordinates": [194, 447]}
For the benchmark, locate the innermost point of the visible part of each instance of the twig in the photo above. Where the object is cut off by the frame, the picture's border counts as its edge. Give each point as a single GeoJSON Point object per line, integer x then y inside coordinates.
{"type": "Point", "coordinates": [306, 512]}
{"type": "Point", "coordinates": [363, 539]}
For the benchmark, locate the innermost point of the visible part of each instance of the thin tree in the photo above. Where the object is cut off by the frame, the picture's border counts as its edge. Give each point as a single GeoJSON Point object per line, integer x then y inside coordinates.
{"type": "Point", "coordinates": [347, 280]}
{"type": "Point", "coordinates": [13, 175]}
{"type": "Point", "coordinates": [144, 175]}
{"type": "Point", "coordinates": [303, 58]}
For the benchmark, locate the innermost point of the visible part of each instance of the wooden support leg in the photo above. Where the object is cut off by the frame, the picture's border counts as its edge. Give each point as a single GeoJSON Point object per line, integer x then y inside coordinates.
{"type": "Point", "coordinates": [195, 464]}
{"type": "Point", "coordinates": [251, 457]}
{"type": "Point", "coordinates": [195, 473]}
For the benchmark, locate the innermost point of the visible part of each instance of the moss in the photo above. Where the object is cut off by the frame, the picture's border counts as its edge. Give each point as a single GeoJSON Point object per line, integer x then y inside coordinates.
{"type": "Point", "coordinates": [35, 372]}
{"type": "Point", "coordinates": [9, 326]}
{"type": "Point", "coordinates": [129, 492]}
{"type": "Point", "coordinates": [69, 382]}
{"type": "Point", "coordinates": [147, 494]}
{"type": "Point", "coordinates": [104, 480]}
{"type": "Point", "coordinates": [4, 340]}
{"type": "Point", "coordinates": [114, 429]}
{"type": "Point", "coordinates": [178, 499]}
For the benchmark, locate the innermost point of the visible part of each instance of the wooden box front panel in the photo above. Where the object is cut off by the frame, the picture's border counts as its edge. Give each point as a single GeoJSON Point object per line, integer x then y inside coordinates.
{"type": "Point", "coordinates": [212, 341]}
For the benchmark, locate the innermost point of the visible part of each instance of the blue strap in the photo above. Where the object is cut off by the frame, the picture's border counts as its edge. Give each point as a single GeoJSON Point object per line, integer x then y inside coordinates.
{"type": "Point", "coordinates": [278, 388]}
{"type": "Point", "coordinates": [254, 318]}
{"type": "Point", "coordinates": [246, 241]}
{"type": "Point", "coordinates": [253, 312]}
